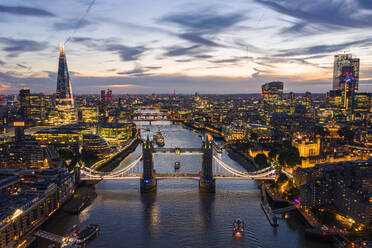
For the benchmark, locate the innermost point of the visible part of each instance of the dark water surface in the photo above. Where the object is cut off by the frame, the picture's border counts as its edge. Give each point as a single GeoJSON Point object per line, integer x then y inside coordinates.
{"type": "Point", "coordinates": [177, 215]}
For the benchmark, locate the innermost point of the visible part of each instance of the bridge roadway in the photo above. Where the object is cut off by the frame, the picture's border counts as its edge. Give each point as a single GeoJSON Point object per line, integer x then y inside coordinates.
{"type": "Point", "coordinates": [175, 175]}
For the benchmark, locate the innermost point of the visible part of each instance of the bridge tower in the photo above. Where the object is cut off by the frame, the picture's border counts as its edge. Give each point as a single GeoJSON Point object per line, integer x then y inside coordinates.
{"type": "Point", "coordinates": [148, 180]}
{"type": "Point", "coordinates": [207, 183]}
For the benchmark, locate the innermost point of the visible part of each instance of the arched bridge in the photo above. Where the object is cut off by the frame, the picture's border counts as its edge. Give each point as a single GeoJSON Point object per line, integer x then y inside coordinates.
{"type": "Point", "coordinates": [212, 168]}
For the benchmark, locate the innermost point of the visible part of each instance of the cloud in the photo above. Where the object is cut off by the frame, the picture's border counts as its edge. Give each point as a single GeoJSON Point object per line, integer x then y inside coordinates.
{"type": "Point", "coordinates": [179, 51]}
{"type": "Point", "coordinates": [126, 53]}
{"type": "Point", "coordinates": [321, 49]}
{"type": "Point", "coordinates": [197, 39]}
{"type": "Point", "coordinates": [139, 71]}
{"type": "Point", "coordinates": [2, 62]}
{"type": "Point", "coordinates": [17, 46]}
{"type": "Point", "coordinates": [24, 66]}
{"type": "Point", "coordinates": [341, 13]}
{"type": "Point", "coordinates": [367, 4]}
{"type": "Point", "coordinates": [204, 21]}
{"type": "Point", "coordinates": [23, 10]}
{"type": "Point", "coordinates": [222, 61]}
{"type": "Point", "coordinates": [71, 24]}
{"type": "Point", "coordinates": [203, 56]}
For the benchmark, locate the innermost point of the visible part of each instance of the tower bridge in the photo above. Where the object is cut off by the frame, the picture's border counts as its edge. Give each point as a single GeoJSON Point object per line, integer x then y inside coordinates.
{"type": "Point", "coordinates": [212, 168]}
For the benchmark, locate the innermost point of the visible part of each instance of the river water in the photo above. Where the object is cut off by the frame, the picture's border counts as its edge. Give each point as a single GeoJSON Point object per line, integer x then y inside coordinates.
{"type": "Point", "coordinates": [177, 215]}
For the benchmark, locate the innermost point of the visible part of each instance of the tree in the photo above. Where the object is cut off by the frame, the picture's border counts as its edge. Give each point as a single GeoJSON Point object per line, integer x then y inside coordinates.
{"type": "Point", "coordinates": [289, 157]}
{"type": "Point", "coordinates": [346, 133]}
{"type": "Point", "coordinates": [254, 136]}
{"type": "Point", "coordinates": [88, 156]}
{"type": "Point", "coordinates": [261, 160]}
{"type": "Point", "coordinates": [318, 130]}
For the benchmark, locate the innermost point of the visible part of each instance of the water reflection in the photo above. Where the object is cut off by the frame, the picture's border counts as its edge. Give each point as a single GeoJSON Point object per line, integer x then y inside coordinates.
{"type": "Point", "coordinates": [206, 209]}
{"type": "Point", "coordinates": [150, 212]}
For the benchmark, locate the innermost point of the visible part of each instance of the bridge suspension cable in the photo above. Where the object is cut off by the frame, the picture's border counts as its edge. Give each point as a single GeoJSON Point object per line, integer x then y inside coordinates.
{"type": "Point", "coordinates": [261, 173]}
{"type": "Point", "coordinates": [95, 173]}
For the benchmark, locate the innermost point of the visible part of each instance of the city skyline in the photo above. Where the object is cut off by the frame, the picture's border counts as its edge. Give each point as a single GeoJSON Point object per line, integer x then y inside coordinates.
{"type": "Point", "coordinates": [214, 47]}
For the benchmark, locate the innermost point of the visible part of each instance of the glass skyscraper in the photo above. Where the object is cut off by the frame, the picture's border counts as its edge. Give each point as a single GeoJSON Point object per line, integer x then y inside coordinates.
{"type": "Point", "coordinates": [64, 91]}
{"type": "Point", "coordinates": [345, 63]}
{"type": "Point", "coordinates": [64, 111]}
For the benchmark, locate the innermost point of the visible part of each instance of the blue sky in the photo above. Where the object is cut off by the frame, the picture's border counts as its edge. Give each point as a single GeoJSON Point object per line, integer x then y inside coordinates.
{"type": "Point", "coordinates": [146, 46]}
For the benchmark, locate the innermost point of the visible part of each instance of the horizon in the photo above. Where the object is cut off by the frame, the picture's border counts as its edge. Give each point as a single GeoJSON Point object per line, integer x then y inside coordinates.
{"type": "Point", "coordinates": [187, 46]}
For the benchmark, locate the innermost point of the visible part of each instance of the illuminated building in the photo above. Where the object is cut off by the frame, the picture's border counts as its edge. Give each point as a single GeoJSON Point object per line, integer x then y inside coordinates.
{"type": "Point", "coordinates": [307, 148]}
{"type": "Point", "coordinates": [25, 152]}
{"type": "Point", "coordinates": [197, 97]}
{"type": "Point", "coordinates": [38, 112]}
{"type": "Point", "coordinates": [335, 98]}
{"type": "Point", "coordinates": [61, 139]}
{"type": "Point", "coordinates": [115, 132]}
{"type": "Point", "coordinates": [64, 91]}
{"type": "Point", "coordinates": [291, 96]}
{"type": "Point", "coordinates": [344, 186]}
{"type": "Point", "coordinates": [234, 133]}
{"type": "Point", "coordinates": [341, 62]}
{"type": "Point", "coordinates": [362, 106]}
{"type": "Point", "coordinates": [64, 111]}
{"type": "Point", "coordinates": [27, 200]}
{"type": "Point", "coordinates": [88, 114]}
{"type": "Point", "coordinates": [32, 106]}
{"type": "Point", "coordinates": [96, 144]}
{"type": "Point", "coordinates": [25, 104]}
{"type": "Point", "coordinates": [272, 94]}
{"type": "Point", "coordinates": [109, 96]}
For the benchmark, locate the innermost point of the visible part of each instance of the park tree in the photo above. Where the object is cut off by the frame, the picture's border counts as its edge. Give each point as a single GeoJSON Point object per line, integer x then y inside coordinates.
{"type": "Point", "coordinates": [261, 160]}
{"type": "Point", "coordinates": [290, 157]}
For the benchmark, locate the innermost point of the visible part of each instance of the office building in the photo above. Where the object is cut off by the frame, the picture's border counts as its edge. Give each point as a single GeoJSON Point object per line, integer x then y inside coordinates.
{"type": "Point", "coordinates": [272, 94]}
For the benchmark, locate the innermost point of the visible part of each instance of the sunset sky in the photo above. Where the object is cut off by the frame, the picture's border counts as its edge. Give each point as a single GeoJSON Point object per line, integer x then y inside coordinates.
{"type": "Point", "coordinates": [146, 46]}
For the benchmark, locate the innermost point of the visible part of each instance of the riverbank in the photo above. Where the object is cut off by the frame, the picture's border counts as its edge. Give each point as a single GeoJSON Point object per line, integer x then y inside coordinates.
{"type": "Point", "coordinates": [245, 162]}
{"type": "Point", "coordinates": [82, 198]}
{"type": "Point", "coordinates": [113, 162]}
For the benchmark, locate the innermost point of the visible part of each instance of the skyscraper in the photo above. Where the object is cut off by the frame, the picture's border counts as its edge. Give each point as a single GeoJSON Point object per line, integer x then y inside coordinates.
{"type": "Point", "coordinates": [272, 93]}
{"type": "Point", "coordinates": [64, 91]}
{"type": "Point", "coordinates": [64, 111]}
{"type": "Point", "coordinates": [346, 79]}
{"type": "Point", "coordinates": [345, 63]}
{"type": "Point", "coordinates": [24, 99]}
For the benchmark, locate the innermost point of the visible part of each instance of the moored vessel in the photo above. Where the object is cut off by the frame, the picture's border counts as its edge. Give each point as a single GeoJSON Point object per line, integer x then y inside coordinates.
{"type": "Point", "coordinates": [86, 234]}
{"type": "Point", "coordinates": [159, 139]}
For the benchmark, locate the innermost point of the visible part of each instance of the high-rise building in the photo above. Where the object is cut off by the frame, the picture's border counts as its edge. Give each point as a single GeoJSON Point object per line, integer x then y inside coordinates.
{"type": "Point", "coordinates": [352, 64]}
{"type": "Point", "coordinates": [32, 106]}
{"type": "Point", "coordinates": [38, 110]}
{"type": "Point", "coordinates": [109, 96]}
{"type": "Point", "coordinates": [272, 93]}
{"type": "Point", "coordinates": [362, 106]}
{"type": "Point", "coordinates": [64, 90]}
{"type": "Point", "coordinates": [335, 98]}
{"type": "Point", "coordinates": [64, 111]}
{"type": "Point", "coordinates": [25, 103]}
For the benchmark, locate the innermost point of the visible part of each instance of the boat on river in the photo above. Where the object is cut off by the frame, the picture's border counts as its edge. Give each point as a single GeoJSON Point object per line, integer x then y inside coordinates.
{"type": "Point", "coordinates": [159, 139]}
{"type": "Point", "coordinates": [238, 228]}
{"type": "Point", "coordinates": [87, 233]}
{"type": "Point", "coordinates": [177, 165]}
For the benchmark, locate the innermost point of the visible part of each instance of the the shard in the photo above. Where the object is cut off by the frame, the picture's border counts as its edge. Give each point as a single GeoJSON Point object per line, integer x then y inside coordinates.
{"type": "Point", "coordinates": [64, 91]}
{"type": "Point", "coordinates": [64, 111]}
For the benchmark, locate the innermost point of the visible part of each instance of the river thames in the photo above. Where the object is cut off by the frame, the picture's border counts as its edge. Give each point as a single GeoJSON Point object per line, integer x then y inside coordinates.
{"type": "Point", "coordinates": [177, 215]}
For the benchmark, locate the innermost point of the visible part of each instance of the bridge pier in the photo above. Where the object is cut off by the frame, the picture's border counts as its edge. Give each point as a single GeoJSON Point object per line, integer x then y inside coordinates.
{"type": "Point", "coordinates": [148, 180]}
{"type": "Point", "coordinates": [207, 183]}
